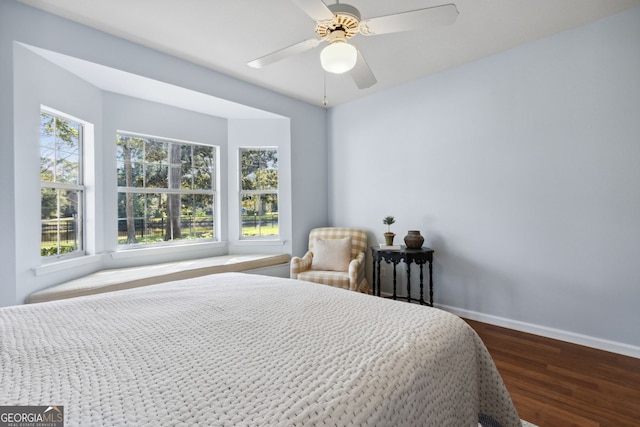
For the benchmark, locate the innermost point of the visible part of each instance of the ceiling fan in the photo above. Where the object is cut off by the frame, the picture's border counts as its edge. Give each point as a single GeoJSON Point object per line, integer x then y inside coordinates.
{"type": "Point", "coordinates": [337, 23]}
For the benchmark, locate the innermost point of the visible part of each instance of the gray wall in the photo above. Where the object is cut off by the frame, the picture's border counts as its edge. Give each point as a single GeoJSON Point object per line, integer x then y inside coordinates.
{"type": "Point", "coordinates": [21, 24]}
{"type": "Point", "coordinates": [523, 172]}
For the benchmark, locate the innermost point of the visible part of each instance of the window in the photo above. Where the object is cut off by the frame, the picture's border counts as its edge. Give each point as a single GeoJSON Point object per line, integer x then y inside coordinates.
{"type": "Point", "coordinates": [61, 185]}
{"type": "Point", "coordinates": [166, 190]}
{"type": "Point", "coordinates": [259, 192]}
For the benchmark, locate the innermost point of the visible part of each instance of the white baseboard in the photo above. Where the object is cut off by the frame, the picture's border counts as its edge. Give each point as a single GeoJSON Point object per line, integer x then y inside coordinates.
{"type": "Point", "coordinates": [558, 334]}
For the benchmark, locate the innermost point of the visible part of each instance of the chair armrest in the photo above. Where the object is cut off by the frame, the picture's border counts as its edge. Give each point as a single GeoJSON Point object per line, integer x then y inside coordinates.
{"type": "Point", "coordinates": [356, 271]}
{"type": "Point", "coordinates": [357, 262]}
{"type": "Point", "coordinates": [299, 265]}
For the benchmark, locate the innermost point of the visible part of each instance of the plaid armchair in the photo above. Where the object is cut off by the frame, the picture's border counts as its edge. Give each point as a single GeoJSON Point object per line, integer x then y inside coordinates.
{"type": "Point", "coordinates": [352, 279]}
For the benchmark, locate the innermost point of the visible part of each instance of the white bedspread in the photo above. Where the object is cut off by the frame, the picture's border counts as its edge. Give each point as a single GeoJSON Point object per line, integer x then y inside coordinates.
{"type": "Point", "coordinates": [244, 350]}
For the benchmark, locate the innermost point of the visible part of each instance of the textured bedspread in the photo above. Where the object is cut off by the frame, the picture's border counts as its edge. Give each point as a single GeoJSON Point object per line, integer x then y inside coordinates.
{"type": "Point", "coordinates": [245, 350]}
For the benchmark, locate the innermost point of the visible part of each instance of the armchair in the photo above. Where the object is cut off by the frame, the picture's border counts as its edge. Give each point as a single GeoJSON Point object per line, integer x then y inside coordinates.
{"type": "Point", "coordinates": [349, 274]}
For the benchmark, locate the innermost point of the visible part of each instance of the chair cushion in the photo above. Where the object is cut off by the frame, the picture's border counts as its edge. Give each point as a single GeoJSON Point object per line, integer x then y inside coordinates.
{"type": "Point", "coordinates": [337, 279]}
{"type": "Point", "coordinates": [331, 254]}
{"type": "Point", "coordinates": [358, 237]}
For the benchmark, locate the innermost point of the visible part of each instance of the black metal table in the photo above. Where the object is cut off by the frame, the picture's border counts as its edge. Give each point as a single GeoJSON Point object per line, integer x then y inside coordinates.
{"type": "Point", "coordinates": [420, 257]}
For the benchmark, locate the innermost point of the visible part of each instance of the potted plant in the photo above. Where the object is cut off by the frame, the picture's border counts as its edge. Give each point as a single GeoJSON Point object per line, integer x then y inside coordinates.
{"type": "Point", "coordinates": [388, 236]}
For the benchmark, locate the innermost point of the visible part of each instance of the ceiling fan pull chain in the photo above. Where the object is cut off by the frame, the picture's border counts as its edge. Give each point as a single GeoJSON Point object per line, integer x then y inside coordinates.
{"type": "Point", "coordinates": [324, 78]}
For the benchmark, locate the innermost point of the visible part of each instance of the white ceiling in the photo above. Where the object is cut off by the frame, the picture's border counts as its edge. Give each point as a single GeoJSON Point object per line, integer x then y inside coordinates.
{"type": "Point", "coordinates": [226, 34]}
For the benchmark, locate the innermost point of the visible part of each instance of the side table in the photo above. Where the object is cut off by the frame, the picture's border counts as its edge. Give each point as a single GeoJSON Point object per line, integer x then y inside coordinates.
{"type": "Point", "coordinates": [420, 257]}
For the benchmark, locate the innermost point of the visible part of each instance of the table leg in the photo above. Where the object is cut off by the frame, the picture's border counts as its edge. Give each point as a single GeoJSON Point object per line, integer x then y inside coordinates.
{"type": "Point", "coordinates": [373, 276]}
{"type": "Point", "coordinates": [379, 282]}
{"type": "Point", "coordinates": [431, 283]}
{"type": "Point", "coordinates": [409, 281]}
{"type": "Point", "coordinates": [421, 285]}
{"type": "Point", "coordinates": [394, 279]}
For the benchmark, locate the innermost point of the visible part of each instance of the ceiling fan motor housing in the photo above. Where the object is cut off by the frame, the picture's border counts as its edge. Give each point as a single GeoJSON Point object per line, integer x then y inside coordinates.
{"type": "Point", "coordinates": [346, 18]}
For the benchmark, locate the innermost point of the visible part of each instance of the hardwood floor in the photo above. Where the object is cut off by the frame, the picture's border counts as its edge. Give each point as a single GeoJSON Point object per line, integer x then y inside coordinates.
{"type": "Point", "coordinates": [554, 383]}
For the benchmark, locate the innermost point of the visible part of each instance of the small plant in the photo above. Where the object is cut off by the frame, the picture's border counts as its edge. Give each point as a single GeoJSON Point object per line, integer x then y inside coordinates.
{"type": "Point", "coordinates": [388, 220]}
{"type": "Point", "coordinates": [388, 236]}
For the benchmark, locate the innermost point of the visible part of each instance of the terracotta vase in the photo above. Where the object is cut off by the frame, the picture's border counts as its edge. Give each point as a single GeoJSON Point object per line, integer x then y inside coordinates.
{"type": "Point", "coordinates": [413, 240]}
{"type": "Point", "coordinates": [388, 238]}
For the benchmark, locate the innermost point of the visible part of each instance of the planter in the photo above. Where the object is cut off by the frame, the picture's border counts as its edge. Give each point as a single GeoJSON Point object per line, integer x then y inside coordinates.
{"type": "Point", "coordinates": [388, 238]}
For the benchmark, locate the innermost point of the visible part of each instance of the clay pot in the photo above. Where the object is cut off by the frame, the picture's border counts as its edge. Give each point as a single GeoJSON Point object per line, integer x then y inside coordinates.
{"type": "Point", "coordinates": [413, 240]}
{"type": "Point", "coordinates": [388, 238]}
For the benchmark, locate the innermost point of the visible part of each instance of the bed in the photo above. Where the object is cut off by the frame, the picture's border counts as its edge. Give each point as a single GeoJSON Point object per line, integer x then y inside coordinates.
{"type": "Point", "coordinates": [235, 349]}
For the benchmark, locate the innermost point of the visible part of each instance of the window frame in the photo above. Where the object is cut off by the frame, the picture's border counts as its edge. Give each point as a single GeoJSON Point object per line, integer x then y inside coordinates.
{"type": "Point", "coordinates": [58, 186]}
{"type": "Point", "coordinates": [213, 192]}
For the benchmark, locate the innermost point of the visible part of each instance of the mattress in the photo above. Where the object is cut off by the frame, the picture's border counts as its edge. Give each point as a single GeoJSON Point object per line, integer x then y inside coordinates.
{"type": "Point", "coordinates": [235, 349]}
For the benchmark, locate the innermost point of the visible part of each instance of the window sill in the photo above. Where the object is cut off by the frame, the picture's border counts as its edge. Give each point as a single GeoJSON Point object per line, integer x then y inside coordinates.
{"type": "Point", "coordinates": [257, 242]}
{"type": "Point", "coordinates": [129, 253]}
{"type": "Point", "coordinates": [65, 265]}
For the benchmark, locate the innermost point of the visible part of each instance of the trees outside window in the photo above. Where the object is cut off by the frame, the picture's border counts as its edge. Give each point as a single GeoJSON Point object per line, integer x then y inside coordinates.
{"type": "Point", "coordinates": [259, 193]}
{"type": "Point", "coordinates": [166, 190]}
{"type": "Point", "coordinates": [61, 185]}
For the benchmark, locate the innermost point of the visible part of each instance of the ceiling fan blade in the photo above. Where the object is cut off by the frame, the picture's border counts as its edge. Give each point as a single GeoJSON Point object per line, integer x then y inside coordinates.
{"type": "Point", "coordinates": [408, 21]}
{"type": "Point", "coordinates": [316, 9]}
{"type": "Point", "coordinates": [362, 74]}
{"type": "Point", "coordinates": [284, 53]}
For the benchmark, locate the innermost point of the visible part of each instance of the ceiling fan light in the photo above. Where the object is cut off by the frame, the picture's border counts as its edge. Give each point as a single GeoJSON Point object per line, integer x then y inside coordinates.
{"type": "Point", "coordinates": [338, 57]}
